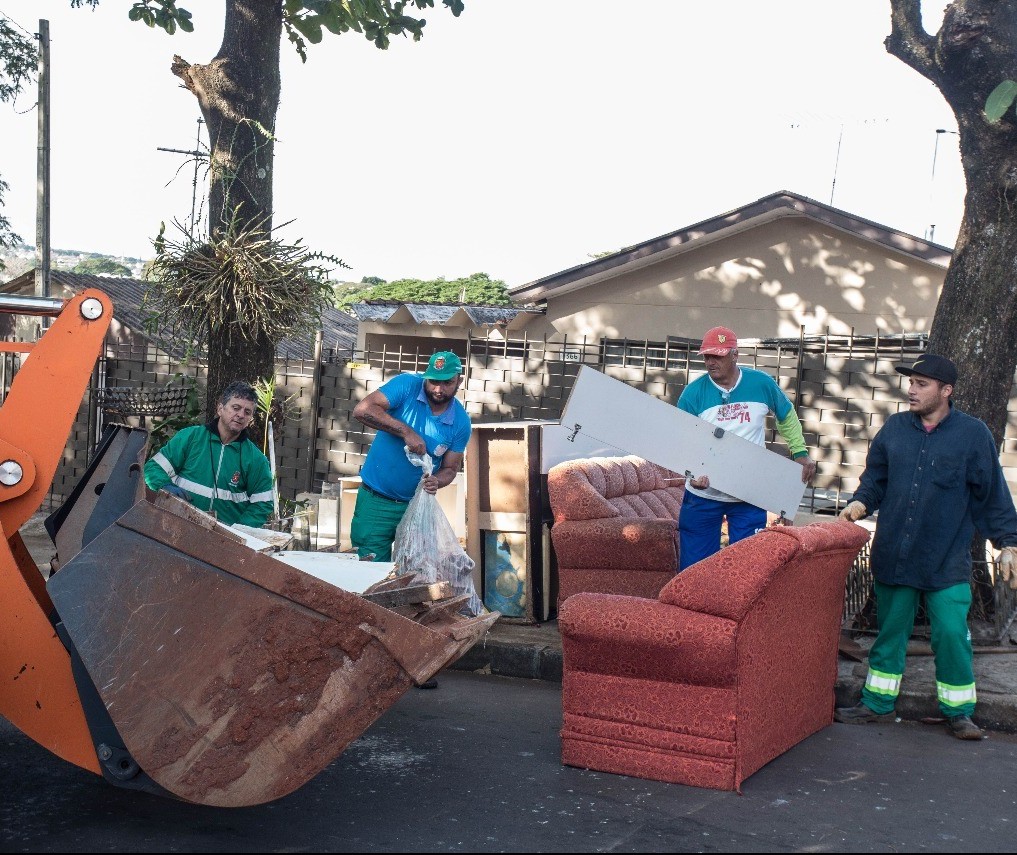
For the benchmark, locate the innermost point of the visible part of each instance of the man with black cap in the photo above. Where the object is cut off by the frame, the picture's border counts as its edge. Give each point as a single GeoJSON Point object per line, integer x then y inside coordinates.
{"type": "Point", "coordinates": [418, 413]}
{"type": "Point", "coordinates": [933, 474]}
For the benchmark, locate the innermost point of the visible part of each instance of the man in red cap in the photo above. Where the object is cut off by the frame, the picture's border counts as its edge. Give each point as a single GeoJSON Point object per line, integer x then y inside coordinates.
{"type": "Point", "coordinates": [737, 400]}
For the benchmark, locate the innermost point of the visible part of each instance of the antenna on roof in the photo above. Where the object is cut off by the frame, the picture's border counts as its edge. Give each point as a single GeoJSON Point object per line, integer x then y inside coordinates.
{"type": "Point", "coordinates": [198, 156]}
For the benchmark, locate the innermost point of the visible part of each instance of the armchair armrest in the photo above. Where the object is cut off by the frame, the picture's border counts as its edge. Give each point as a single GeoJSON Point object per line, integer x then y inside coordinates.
{"type": "Point", "coordinates": [617, 543]}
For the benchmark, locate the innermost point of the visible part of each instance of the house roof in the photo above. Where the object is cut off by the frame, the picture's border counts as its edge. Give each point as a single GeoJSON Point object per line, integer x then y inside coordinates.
{"type": "Point", "coordinates": [768, 209]}
{"type": "Point", "coordinates": [339, 330]}
{"type": "Point", "coordinates": [442, 314]}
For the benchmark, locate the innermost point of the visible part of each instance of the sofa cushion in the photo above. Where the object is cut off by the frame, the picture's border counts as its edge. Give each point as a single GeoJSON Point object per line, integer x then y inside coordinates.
{"type": "Point", "coordinates": [604, 487]}
{"type": "Point", "coordinates": [647, 640]}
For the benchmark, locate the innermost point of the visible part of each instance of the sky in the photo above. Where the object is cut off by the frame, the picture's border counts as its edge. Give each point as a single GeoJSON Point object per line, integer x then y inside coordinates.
{"type": "Point", "coordinates": [517, 140]}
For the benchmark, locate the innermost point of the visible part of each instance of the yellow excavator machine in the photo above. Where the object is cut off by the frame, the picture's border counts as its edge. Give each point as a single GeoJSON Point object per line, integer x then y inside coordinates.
{"type": "Point", "coordinates": [165, 653]}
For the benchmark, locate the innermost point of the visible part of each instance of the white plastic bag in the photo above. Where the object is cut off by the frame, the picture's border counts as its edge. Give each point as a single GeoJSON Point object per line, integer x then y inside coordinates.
{"type": "Point", "coordinates": [425, 543]}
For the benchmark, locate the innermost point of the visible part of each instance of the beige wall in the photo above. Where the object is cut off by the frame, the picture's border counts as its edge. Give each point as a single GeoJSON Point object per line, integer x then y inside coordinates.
{"type": "Point", "coordinates": [764, 282]}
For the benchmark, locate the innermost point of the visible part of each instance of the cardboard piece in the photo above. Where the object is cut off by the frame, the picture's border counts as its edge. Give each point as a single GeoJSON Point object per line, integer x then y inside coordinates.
{"type": "Point", "coordinates": [609, 412]}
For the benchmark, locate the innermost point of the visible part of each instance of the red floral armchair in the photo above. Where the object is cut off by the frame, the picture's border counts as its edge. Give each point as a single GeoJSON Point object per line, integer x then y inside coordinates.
{"type": "Point", "coordinates": [733, 664]}
{"type": "Point", "coordinates": [615, 525]}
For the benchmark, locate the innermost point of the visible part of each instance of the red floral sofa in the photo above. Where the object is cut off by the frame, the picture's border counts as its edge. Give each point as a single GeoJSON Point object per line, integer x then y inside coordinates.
{"type": "Point", "coordinates": [615, 525]}
{"type": "Point", "coordinates": [733, 664]}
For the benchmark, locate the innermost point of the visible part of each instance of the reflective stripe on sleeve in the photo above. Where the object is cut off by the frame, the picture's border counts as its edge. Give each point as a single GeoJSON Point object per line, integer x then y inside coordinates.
{"type": "Point", "coordinates": [164, 464]}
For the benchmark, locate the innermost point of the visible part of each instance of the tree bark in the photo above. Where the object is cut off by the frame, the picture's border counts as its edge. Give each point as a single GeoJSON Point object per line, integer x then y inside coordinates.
{"type": "Point", "coordinates": [238, 93]}
{"type": "Point", "coordinates": [975, 323]}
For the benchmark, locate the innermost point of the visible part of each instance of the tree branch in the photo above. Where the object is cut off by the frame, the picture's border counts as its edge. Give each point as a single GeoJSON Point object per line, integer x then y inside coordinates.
{"type": "Point", "coordinates": [908, 40]}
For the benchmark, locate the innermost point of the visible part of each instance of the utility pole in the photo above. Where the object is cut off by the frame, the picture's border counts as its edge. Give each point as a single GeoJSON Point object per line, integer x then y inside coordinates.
{"type": "Point", "coordinates": [42, 253]}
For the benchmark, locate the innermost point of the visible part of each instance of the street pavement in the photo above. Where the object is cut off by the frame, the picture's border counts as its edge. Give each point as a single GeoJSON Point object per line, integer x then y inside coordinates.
{"type": "Point", "coordinates": [474, 766]}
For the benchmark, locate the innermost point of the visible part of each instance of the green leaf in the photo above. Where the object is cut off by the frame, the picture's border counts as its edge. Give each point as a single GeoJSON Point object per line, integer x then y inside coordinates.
{"type": "Point", "coordinates": [999, 100]}
{"type": "Point", "coordinates": [334, 23]}
{"type": "Point", "coordinates": [309, 28]}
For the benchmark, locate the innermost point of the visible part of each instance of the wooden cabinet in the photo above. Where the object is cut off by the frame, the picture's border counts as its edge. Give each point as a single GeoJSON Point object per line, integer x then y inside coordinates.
{"type": "Point", "coordinates": [506, 534]}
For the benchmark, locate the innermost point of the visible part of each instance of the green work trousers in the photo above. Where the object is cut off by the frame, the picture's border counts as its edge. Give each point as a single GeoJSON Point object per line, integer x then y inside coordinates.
{"type": "Point", "coordinates": [374, 524]}
{"type": "Point", "coordinates": [896, 607]}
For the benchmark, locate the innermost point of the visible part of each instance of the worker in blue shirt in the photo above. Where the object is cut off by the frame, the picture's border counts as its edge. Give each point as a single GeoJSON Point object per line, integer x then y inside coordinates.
{"type": "Point", "coordinates": [418, 413]}
{"type": "Point", "coordinates": [933, 474]}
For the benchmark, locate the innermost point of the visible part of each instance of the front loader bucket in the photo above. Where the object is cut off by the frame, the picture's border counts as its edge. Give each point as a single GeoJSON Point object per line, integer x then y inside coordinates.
{"type": "Point", "coordinates": [231, 677]}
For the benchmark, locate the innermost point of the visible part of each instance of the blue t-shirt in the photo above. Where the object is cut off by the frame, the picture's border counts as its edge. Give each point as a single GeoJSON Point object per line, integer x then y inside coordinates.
{"type": "Point", "coordinates": [386, 470]}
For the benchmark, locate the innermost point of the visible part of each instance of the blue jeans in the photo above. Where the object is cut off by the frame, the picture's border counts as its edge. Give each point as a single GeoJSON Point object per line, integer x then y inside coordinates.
{"type": "Point", "coordinates": [699, 524]}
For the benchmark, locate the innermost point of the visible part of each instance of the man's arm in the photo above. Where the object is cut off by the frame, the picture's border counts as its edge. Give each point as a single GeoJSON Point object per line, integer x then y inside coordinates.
{"type": "Point", "coordinates": [167, 462]}
{"type": "Point", "coordinates": [790, 427]}
{"type": "Point", "coordinates": [450, 465]}
{"type": "Point", "coordinates": [372, 412]}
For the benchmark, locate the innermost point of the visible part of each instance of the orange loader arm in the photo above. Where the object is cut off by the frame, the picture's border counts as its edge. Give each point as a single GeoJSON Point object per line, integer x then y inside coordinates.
{"type": "Point", "coordinates": [37, 690]}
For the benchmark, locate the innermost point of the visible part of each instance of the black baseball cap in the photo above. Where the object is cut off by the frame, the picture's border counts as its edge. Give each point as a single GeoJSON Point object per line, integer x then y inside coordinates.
{"type": "Point", "coordinates": [929, 365]}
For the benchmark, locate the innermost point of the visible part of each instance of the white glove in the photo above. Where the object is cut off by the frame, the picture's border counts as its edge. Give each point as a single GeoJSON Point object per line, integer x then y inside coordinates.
{"type": "Point", "coordinates": [1007, 565]}
{"type": "Point", "coordinates": [854, 512]}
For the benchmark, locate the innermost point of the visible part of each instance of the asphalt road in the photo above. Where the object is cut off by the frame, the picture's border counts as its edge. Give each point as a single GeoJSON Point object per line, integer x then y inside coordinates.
{"type": "Point", "coordinates": [474, 767]}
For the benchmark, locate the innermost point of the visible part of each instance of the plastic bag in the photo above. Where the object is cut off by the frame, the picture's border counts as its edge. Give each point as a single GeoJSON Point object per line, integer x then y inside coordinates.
{"type": "Point", "coordinates": [425, 543]}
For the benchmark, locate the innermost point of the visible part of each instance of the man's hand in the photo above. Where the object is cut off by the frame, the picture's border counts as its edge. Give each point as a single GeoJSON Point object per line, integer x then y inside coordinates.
{"type": "Point", "coordinates": [808, 468]}
{"type": "Point", "coordinates": [1007, 564]}
{"type": "Point", "coordinates": [700, 482]}
{"type": "Point", "coordinates": [174, 490]}
{"type": "Point", "coordinates": [854, 512]}
{"type": "Point", "coordinates": [442, 478]}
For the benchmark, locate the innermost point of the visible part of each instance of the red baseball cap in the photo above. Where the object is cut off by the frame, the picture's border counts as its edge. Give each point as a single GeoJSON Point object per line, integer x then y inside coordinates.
{"type": "Point", "coordinates": [719, 341]}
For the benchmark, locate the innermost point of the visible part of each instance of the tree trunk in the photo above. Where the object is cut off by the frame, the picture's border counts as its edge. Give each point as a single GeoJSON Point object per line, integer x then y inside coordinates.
{"type": "Point", "coordinates": [238, 92]}
{"type": "Point", "coordinates": [976, 318]}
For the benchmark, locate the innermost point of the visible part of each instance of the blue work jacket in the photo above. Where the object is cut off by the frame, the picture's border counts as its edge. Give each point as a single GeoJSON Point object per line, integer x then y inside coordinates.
{"type": "Point", "coordinates": [932, 490]}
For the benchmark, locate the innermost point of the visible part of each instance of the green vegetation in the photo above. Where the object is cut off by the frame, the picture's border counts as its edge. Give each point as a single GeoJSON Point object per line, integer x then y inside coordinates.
{"type": "Point", "coordinates": [96, 264]}
{"type": "Point", "coordinates": [476, 289]}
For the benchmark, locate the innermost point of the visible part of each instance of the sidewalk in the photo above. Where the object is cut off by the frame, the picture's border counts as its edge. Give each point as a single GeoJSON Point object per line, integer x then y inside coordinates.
{"type": "Point", "coordinates": [534, 652]}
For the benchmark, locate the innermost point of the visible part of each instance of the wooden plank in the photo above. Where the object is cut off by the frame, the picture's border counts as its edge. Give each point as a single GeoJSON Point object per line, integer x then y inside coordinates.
{"type": "Point", "coordinates": [411, 594]}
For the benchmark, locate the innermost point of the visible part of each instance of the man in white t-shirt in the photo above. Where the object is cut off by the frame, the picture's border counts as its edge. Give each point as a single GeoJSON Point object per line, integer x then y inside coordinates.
{"type": "Point", "coordinates": [737, 400]}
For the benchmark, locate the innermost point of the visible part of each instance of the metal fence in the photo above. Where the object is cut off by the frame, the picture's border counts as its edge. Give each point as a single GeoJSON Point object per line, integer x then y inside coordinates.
{"type": "Point", "coordinates": [843, 387]}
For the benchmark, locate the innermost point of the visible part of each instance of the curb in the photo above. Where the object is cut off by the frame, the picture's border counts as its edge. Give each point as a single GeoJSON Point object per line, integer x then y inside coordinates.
{"type": "Point", "coordinates": [504, 658]}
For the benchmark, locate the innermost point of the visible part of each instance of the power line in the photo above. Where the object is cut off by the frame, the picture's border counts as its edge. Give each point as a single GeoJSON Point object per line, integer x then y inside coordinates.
{"type": "Point", "coordinates": [16, 24]}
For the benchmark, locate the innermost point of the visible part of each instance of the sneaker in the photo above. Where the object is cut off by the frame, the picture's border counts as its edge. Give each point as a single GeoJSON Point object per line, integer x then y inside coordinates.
{"type": "Point", "coordinates": [861, 714]}
{"type": "Point", "coordinates": [963, 727]}
{"type": "Point", "coordinates": [430, 684]}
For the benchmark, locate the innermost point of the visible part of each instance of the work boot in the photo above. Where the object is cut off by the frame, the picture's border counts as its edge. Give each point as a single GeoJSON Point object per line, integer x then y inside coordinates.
{"type": "Point", "coordinates": [963, 727]}
{"type": "Point", "coordinates": [860, 714]}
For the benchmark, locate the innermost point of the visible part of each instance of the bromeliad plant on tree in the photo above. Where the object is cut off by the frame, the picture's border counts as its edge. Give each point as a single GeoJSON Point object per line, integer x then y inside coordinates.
{"type": "Point", "coordinates": [236, 293]}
